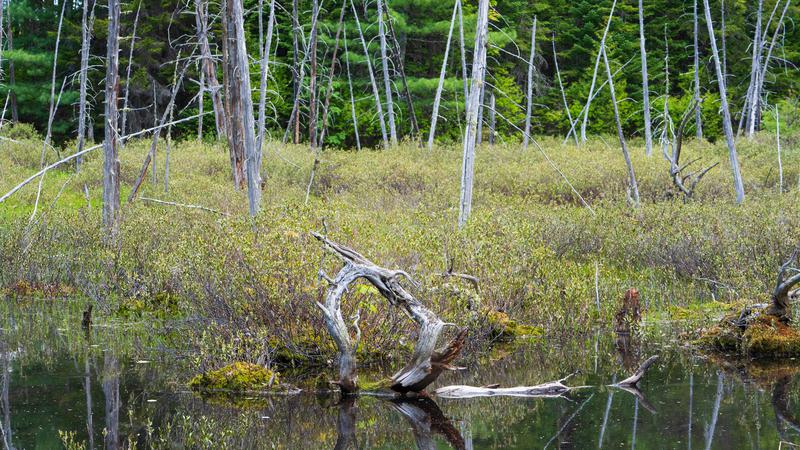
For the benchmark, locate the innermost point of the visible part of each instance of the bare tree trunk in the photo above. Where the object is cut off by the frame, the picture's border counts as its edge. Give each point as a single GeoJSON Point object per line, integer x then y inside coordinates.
{"type": "Point", "coordinates": [350, 87]}
{"type": "Point", "coordinates": [778, 142]}
{"type": "Point", "coordinates": [492, 121]}
{"type": "Point", "coordinates": [600, 49]}
{"type": "Point", "coordinates": [86, 36]}
{"type": "Point", "coordinates": [237, 81]}
{"type": "Point", "coordinates": [400, 67]}
{"type": "Point", "coordinates": [111, 374]}
{"type": "Point", "coordinates": [726, 116]}
{"type": "Point", "coordinates": [209, 68]}
{"type": "Point", "coordinates": [479, 136]}
{"type": "Point", "coordinates": [724, 45]}
{"type": "Point", "coordinates": [296, 78]}
{"type": "Point", "coordinates": [768, 58]}
{"type": "Point", "coordinates": [329, 88]}
{"type": "Point", "coordinates": [387, 81]}
{"type": "Point", "coordinates": [631, 174]}
{"type": "Point", "coordinates": [52, 111]}
{"type": "Point", "coordinates": [561, 86]}
{"type": "Point", "coordinates": [438, 96]}
{"type": "Point", "coordinates": [312, 86]}
{"type": "Point", "coordinates": [755, 72]}
{"type": "Point", "coordinates": [87, 387]}
{"type": "Point", "coordinates": [375, 93]}
{"type": "Point", "coordinates": [111, 208]}
{"type": "Point", "coordinates": [463, 55]}
{"type": "Point", "coordinates": [697, 113]}
{"type": "Point", "coordinates": [128, 73]}
{"type": "Point", "coordinates": [648, 132]}
{"type": "Point", "coordinates": [171, 109]}
{"type": "Point", "coordinates": [11, 72]}
{"type": "Point", "coordinates": [529, 93]}
{"type": "Point", "coordinates": [200, 103]}
{"type": "Point", "coordinates": [154, 145]}
{"type": "Point", "coordinates": [262, 100]}
{"type": "Point", "coordinates": [470, 134]}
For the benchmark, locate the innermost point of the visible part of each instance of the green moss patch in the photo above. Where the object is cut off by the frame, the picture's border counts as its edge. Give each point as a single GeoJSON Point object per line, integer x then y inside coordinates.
{"type": "Point", "coordinates": [764, 337]}
{"type": "Point", "coordinates": [237, 377]}
{"type": "Point", "coordinates": [504, 328]}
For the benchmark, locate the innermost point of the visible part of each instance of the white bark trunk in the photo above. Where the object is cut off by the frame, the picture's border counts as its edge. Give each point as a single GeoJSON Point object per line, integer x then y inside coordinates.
{"type": "Point", "coordinates": [697, 112]}
{"type": "Point", "coordinates": [350, 88]}
{"type": "Point", "coordinates": [594, 74]}
{"type": "Point", "coordinates": [561, 86]}
{"type": "Point", "coordinates": [375, 92]}
{"type": "Point", "coordinates": [86, 36]}
{"type": "Point", "coordinates": [529, 93]}
{"type": "Point", "coordinates": [648, 131]}
{"type": "Point", "coordinates": [128, 74]}
{"type": "Point", "coordinates": [755, 73]}
{"type": "Point", "coordinates": [262, 100]}
{"type": "Point", "coordinates": [111, 207]}
{"type": "Point", "coordinates": [387, 81]}
{"type": "Point", "coordinates": [52, 111]}
{"type": "Point", "coordinates": [438, 96]}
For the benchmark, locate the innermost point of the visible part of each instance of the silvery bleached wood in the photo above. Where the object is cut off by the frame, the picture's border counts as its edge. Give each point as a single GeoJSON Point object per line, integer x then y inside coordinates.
{"type": "Point", "coordinates": [171, 109]}
{"type": "Point", "coordinates": [723, 36]}
{"type": "Point", "coordinates": [648, 132]}
{"type": "Point", "coordinates": [470, 134]}
{"type": "Point", "coordinates": [438, 96]}
{"type": "Point", "coordinates": [738, 184]}
{"type": "Point", "coordinates": [698, 124]}
{"type": "Point", "coordinates": [262, 100]}
{"type": "Point", "coordinates": [11, 71]}
{"type": "Point", "coordinates": [561, 86]}
{"type": "Point", "coordinates": [111, 206]}
{"type": "Point", "coordinates": [631, 174]}
{"type": "Point", "coordinates": [294, 117]}
{"type": "Point", "coordinates": [350, 87]}
{"type": "Point", "coordinates": [492, 121]}
{"type": "Point", "coordinates": [374, 84]}
{"type": "Point", "coordinates": [387, 81]}
{"type": "Point", "coordinates": [52, 111]}
{"type": "Point", "coordinates": [755, 73]}
{"type": "Point", "coordinates": [296, 78]}
{"type": "Point", "coordinates": [86, 36]}
{"type": "Point", "coordinates": [200, 100]}
{"type": "Point", "coordinates": [778, 142]}
{"type": "Point", "coordinates": [128, 73]}
{"type": "Point", "coordinates": [209, 68]}
{"type": "Point", "coordinates": [768, 58]}
{"type": "Point", "coordinates": [312, 82]}
{"type": "Point", "coordinates": [461, 41]}
{"type": "Point", "coordinates": [594, 74]}
{"type": "Point", "coordinates": [400, 68]}
{"type": "Point", "coordinates": [529, 93]}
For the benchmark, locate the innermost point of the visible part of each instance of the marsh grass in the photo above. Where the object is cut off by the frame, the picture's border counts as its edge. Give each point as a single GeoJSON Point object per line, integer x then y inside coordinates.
{"type": "Point", "coordinates": [250, 286]}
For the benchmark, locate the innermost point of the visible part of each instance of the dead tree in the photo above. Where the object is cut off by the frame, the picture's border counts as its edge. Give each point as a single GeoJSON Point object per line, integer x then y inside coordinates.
{"type": "Point", "coordinates": [473, 107]}
{"type": "Point", "coordinates": [753, 94]}
{"type": "Point", "coordinates": [697, 116]}
{"type": "Point", "coordinates": [397, 59]}
{"type": "Point", "coordinates": [788, 277]}
{"type": "Point", "coordinates": [648, 132]}
{"type": "Point", "coordinates": [52, 112]}
{"type": "Point", "coordinates": [594, 74]}
{"type": "Point", "coordinates": [387, 81]}
{"type": "Point", "coordinates": [492, 119]}
{"type": "Point", "coordinates": [438, 96]}
{"type": "Point", "coordinates": [241, 126]}
{"type": "Point", "coordinates": [723, 38]}
{"type": "Point", "coordinates": [264, 49]}
{"type": "Point", "coordinates": [297, 80]}
{"type": "Point", "coordinates": [529, 93]}
{"type": "Point", "coordinates": [738, 183]}
{"type": "Point", "coordinates": [128, 73]}
{"type": "Point", "coordinates": [375, 92]}
{"type": "Point", "coordinates": [685, 183]}
{"type": "Point", "coordinates": [111, 207]}
{"type": "Point", "coordinates": [426, 363]}
{"type": "Point", "coordinates": [86, 36]}
{"type": "Point", "coordinates": [312, 83]}
{"type": "Point", "coordinates": [778, 142]}
{"type": "Point", "coordinates": [350, 88]}
{"type": "Point", "coordinates": [633, 186]}
{"type": "Point", "coordinates": [11, 72]}
{"type": "Point", "coordinates": [209, 67]}
{"type": "Point", "coordinates": [329, 88]}
{"type": "Point", "coordinates": [561, 87]}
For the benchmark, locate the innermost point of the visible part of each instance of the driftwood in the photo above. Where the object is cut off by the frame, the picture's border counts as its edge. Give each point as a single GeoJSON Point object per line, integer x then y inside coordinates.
{"type": "Point", "coordinates": [551, 389]}
{"type": "Point", "coordinates": [426, 363]}
{"type": "Point", "coordinates": [788, 277]}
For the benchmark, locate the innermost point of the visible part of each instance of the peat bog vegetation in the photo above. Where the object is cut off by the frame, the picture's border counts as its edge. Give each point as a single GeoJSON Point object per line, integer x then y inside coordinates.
{"type": "Point", "coordinates": [185, 291]}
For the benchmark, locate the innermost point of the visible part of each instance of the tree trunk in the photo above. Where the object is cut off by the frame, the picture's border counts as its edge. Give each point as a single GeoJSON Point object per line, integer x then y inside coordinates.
{"type": "Point", "coordinates": [237, 83]}
{"type": "Point", "coordinates": [400, 66]}
{"type": "Point", "coordinates": [755, 72]}
{"type": "Point", "coordinates": [375, 93]}
{"type": "Point", "coordinates": [492, 121]}
{"type": "Point", "coordinates": [631, 174]}
{"type": "Point", "coordinates": [350, 87]}
{"type": "Point", "coordinates": [697, 113]}
{"type": "Point", "coordinates": [296, 78]}
{"type": "Point", "coordinates": [387, 81]}
{"type": "Point", "coordinates": [470, 134]}
{"type": "Point", "coordinates": [52, 111]}
{"type": "Point", "coordinates": [726, 116]}
{"type": "Point", "coordinates": [724, 45]}
{"type": "Point", "coordinates": [438, 96]}
{"type": "Point", "coordinates": [312, 85]}
{"type": "Point", "coordinates": [778, 142]}
{"type": "Point", "coordinates": [561, 86]}
{"type": "Point", "coordinates": [128, 73]}
{"type": "Point", "coordinates": [463, 55]}
{"type": "Point", "coordinates": [529, 96]}
{"type": "Point", "coordinates": [329, 88]}
{"type": "Point", "coordinates": [11, 72]}
{"type": "Point", "coordinates": [594, 74]}
{"type": "Point", "coordinates": [262, 99]}
{"type": "Point", "coordinates": [86, 36]}
{"type": "Point", "coordinates": [209, 67]}
{"type": "Point", "coordinates": [648, 132]}
{"type": "Point", "coordinates": [111, 208]}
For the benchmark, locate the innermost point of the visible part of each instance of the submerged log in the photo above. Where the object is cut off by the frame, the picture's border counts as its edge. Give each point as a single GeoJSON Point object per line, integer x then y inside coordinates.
{"type": "Point", "coordinates": [634, 379]}
{"type": "Point", "coordinates": [426, 363]}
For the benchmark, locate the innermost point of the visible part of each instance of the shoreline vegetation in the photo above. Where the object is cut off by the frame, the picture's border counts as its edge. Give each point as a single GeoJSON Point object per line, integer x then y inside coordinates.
{"type": "Point", "coordinates": [541, 262]}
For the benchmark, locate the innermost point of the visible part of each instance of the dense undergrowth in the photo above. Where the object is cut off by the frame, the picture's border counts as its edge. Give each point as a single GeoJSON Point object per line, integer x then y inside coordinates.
{"type": "Point", "coordinates": [250, 286]}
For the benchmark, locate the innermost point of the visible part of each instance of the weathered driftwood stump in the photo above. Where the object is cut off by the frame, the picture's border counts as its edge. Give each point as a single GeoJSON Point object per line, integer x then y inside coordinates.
{"type": "Point", "coordinates": [426, 364]}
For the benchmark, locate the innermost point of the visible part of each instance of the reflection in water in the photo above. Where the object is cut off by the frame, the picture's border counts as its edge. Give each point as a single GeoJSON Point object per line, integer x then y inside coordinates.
{"type": "Point", "coordinates": [783, 414]}
{"type": "Point", "coordinates": [715, 413]}
{"type": "Point", "coordinates": [87, 387]}
{"type": "Point", "coordinates": [691, 402]}
{"type": "Point", "coordinates": [605, 416]}
{"type": "Point", "coordinates": [346, 424]}
{"type": "Point", "coordinates": [111, 393]}
{"type": "Point", "coordinates": [5, 403]}
{"type": "Point", "coordinates": [426, 419]}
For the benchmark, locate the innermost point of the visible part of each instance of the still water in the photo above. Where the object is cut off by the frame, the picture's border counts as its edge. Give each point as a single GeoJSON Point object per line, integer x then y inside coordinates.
{"type": "Point", "coordinates": [61, 388]}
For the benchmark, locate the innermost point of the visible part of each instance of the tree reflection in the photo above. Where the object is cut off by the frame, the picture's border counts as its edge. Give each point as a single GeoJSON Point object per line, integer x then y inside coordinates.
{"type": "Point", "coordinates": [111, 393]}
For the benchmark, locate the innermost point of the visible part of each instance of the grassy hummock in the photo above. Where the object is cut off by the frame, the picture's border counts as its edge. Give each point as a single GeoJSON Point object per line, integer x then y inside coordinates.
{"type": "Point", "coordinates": [237, 377]}
{"type": "Point", "coordinates": [764, 337]}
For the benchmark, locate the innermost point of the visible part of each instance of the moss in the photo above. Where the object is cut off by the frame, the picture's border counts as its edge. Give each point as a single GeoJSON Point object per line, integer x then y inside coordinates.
{"type": "Point", "coordinates": [720, 338]}
{"type": "Point", "coordinates": [701, 311]}
{"type": "Point", "coordinates": [767, 336]}
{"type": "Point", "coordinates": [237, 377]}
{"type": "Point", "coordinates": [504, 328]}
{"type": "Point", "coordinates": [375, 385]}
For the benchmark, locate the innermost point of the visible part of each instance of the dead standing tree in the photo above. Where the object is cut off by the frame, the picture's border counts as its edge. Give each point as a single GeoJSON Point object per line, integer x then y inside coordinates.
{"type": "Point", "coordinates": [426, 363]}
{"type": "Point", "coordinates": [209, 67]}
{"type": "Point", "coordinates": [685, 183]}
{"type": "Point", "coordinates": [648, 132]}
{"type": "Point", "coordinates": [111, 206]}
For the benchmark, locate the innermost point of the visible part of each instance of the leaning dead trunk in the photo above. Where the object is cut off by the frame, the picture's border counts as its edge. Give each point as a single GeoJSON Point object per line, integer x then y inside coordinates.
{"type": "Point", "coordinates": [438, 96]}
{"type": "Point", "coordinates": [697, 116]}
{"type": "Point", "coordinates": [111, 207]}
{"type": "Point", "coordinates": [634, 188]}
{"type": "Point", "coordinates": [86, 36]}
{"type": "Point", "coordinates": [387, 81]}
{"type": "Point", "coordinates": [648, 133]}
{"type": "Point", "coordinates": [473, 106]}
{"type": "Point", "coordinates": [209, 68]}
{"type": "Point", "coordinates": [52, 113]}
{"type": "Point", "coordinates": [128, 73]}
{"type": "Point", "coordinates": [594, 74]}
{"type": "Point", "coordinates": [426, 363]}
{"type": "Point", "coordinates": [788, 278]}
{"type": "Point", "coordinates": [375, 93]}
{"type": "Point", "coordinates": [529, 93]}
{"type": "Point", "coordinates": [738, 184]}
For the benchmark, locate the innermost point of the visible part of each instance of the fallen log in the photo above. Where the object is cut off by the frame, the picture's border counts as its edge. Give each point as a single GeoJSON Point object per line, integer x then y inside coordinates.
{"type": "Point", "coordinates": [634, 379]}
{"type": "Point", "coordinates": [426, 364]}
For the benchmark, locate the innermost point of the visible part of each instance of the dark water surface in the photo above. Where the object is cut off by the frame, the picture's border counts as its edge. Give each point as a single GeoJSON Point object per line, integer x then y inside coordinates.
{"type": "Point", "coordinates": [129, 392]}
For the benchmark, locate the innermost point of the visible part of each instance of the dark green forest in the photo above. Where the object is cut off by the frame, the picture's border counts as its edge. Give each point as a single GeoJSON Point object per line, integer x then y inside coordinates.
{"type": "Point", "coordinates": [166, 33]}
